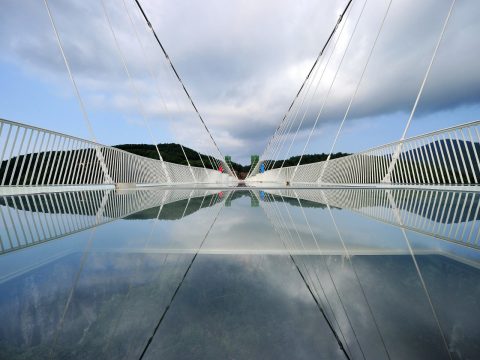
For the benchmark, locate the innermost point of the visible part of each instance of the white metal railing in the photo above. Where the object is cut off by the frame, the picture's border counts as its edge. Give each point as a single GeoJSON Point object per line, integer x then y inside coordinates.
{"type": "Point", "coordinates": [31, 156]}
{"type": "Point", "coordinates": [447, 156]}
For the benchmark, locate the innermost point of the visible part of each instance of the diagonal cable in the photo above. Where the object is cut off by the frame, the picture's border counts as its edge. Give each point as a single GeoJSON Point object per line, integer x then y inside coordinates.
{"type": "Point", "coordinates": [178, 76]}
{"type": "Point", "coordinates": [309, 73]}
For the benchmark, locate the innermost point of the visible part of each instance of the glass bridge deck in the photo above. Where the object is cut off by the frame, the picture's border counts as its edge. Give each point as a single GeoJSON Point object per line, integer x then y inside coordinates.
{"type": "Point", "coordinates": [240, 274]}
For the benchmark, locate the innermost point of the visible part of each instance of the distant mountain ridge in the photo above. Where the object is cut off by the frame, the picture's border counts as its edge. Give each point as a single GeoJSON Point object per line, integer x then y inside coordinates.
{"type": "Point", "coordinates": [173, 153]}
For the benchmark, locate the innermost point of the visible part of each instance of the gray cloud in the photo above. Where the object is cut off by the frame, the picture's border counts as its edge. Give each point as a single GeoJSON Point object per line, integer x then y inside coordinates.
{"type": "Point", "coordinates": [244, 61]}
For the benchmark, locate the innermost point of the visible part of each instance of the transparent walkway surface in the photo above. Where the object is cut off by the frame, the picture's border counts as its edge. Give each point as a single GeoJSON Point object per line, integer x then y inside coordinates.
{"type": "Point", "coordinates": [240, 274]}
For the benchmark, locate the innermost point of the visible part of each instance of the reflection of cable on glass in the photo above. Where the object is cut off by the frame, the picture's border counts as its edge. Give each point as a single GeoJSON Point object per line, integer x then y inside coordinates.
{"type": "Point", "coordinates": [345, 349]}
{"type": "Point", "coordinates": [419, 273]}
{"type": "Point", "coordinates": [277, 212]}
{"type": "Point", "coordinates": [292, 222]}
{"type": "Point", "coordinates": [349, 258]}
{"type": "Point", "coordinates": [164, 313]}
{"type": "Point", "coordinates": [61, 321]}
{"type": "Point", "coordinates": [149, 237]}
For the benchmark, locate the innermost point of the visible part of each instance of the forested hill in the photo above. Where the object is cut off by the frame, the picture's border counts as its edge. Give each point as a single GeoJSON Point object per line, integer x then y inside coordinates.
{"type": "Point", "coordinates": [306, 159]}
{"type": "Point", "coordinates": [172, 152]}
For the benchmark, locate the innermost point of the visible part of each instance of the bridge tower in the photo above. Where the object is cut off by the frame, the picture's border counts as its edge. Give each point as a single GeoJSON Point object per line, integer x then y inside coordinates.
{"type": "Point", "coordinates": [254, 161]}
{"type": "Point", "coordinates": [228, 161]}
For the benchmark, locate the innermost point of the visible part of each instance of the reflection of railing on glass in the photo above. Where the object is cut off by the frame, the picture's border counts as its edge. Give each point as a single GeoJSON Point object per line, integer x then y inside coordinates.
{"type": "Point", "coordinates": [30, 156]}
{"type": "Point", "coordinates": [448, 215]}
{"type": "Point", "coordinates": [33, 219]}
{"type": "Point", "coordinates": [448, 156]}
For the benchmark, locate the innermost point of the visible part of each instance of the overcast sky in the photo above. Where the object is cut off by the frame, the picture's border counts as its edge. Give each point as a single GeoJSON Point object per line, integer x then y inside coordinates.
{"type": "Point", "coordinates": [243, 62]}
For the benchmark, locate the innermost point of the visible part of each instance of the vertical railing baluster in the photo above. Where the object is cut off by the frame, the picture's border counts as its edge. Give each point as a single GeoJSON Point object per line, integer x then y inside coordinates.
{"type": "Point", "coordinates": [440, 159]}
{"type": "Point", "coordinates": [10, 156]}
{"type": "Point", "coordinates": [71, 163]}
{"type": "Point", "coordinates": [91, 167]}
{"type": "Point", "coordinates": [46, 170]}
{"type": "Point", "coordinates": [17, 156]}
{"type": "Point", "coordinates": [423, 156]}
{"type": "Point", "coordinates": [96, 166]}
{"type": "Point", "coordinates": [398, 169]}
{"type": "Point", "coordinates": [378, 166]}
{"type": "Point", "coordinates": [7, 140]}
{"type": "Point", "coordinates": [113, 164]}
{"type": "Point", "coordinates": [57, 161]}
{"type": "Point", "coordinates": [65, 152]}
{"type": "Point", "coordinates": [408, 165]}
{"type": "Point", "coordinates": [30, 160]}
{"type": "Point", "coordinates": [82, 164]}
{"type": "Point", "coordinates": [469, 157]}
{"type": "Point", "coordinates": [418, 161]}
{"type": "Point", "coordinates": [474, 147]}
{"type": "Point", "coordinates": [24, 158]}
{"type": "Point", "coordinates": [433, 162]}
{"type": "Point", "coordinates": [76, 161]}
{"type": "Point", "coordinates": [455, 156]}
{"type": "Point", "coordinates": [57, 153]}
{"type": "Point", "coordinates": [86, 164]}
{"type": "Point", "coordinates": [34, 177]}
{"type": "Point", "coordinates": [452, 167]}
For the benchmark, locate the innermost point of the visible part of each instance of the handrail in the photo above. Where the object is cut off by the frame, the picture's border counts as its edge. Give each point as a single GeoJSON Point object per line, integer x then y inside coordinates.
{"type": "Point", "coordinates": [83, 140]}
{"type": "Point", "coordinates": [422, 136]}
{"type": "Point", "coordinates": [446, 156]}
{"type": "Point", "coordinates": [49, 131]}
{"type": "Point", "coordinates": [31, 155]}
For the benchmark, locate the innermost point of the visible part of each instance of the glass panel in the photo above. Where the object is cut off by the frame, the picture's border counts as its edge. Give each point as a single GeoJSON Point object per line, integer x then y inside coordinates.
{"type": "Point", "coordinates": [240, 273]}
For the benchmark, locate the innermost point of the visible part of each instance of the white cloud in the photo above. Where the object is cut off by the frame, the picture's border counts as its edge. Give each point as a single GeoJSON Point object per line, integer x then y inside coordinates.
{"type": "Point", "coordinates": [243, 61]}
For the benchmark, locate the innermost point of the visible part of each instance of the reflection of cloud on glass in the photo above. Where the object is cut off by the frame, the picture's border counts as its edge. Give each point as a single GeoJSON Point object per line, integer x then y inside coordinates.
{"type": "Point", "coordinates": [252, 286]}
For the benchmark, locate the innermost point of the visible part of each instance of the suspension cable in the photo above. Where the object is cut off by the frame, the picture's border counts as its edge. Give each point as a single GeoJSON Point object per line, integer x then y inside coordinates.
{"type": "Point", "coordinates": [154, 78]}
{"type": "Point", "coordinates": [132, 84]}
{"type": "Point", "coordinates": [317, 85]}
{"type": "Point", "coordinates": [70, 74]}
{"type": "Point", "coordinates": [340, 128]}
{"type": "Point", "coordinates": [419, 95]}
{"type": "Point", "coordinates": [326, 98]}
{"type": "Point", "coordinates": [282, 138]}
{"type": "Point", "coordinates": [178, 76]}
{"type": "Point", "coordinates": [176, 96]}
{"type": "Point", "coordinates": [77, 93]}
{"type": "Point", "coordinates": [313, 65]}
{"type": "Point", "coordinates": [302, 102]}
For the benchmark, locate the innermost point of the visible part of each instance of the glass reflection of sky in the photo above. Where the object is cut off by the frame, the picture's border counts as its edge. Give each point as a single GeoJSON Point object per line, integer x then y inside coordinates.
{"type": "Point", "coordinates": [240, 274]}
